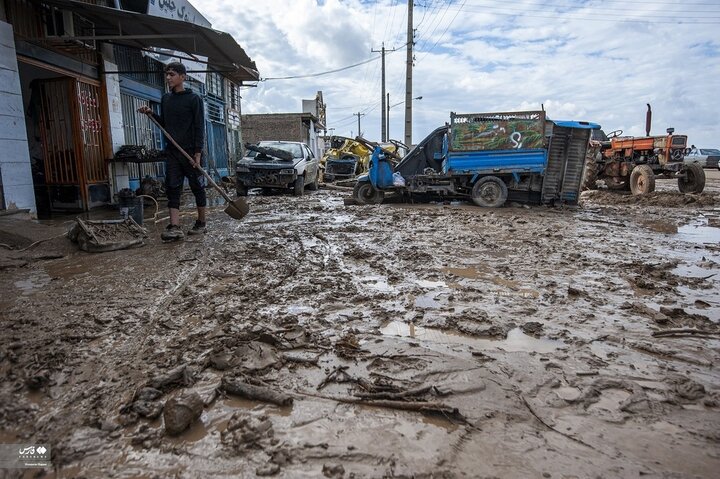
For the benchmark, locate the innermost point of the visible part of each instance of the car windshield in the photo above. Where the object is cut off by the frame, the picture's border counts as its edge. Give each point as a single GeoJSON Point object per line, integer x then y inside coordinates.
{"type": "Point", "coordinates": [293, 148]}
{"type": "Point", "coordinates": [709, 151]}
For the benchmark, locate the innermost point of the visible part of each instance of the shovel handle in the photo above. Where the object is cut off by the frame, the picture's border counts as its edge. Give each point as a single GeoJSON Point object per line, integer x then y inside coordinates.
{"type": "Point", "coordinates": [191, 160]}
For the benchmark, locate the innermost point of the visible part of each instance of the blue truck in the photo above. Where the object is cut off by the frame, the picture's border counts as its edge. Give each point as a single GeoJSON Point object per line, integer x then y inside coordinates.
{"type": "Point", "coordinates": [488, 157]}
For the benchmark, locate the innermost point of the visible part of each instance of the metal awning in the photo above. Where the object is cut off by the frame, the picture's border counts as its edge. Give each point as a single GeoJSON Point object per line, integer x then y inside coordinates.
{"type": "Point", "coordinates": [142, 31]}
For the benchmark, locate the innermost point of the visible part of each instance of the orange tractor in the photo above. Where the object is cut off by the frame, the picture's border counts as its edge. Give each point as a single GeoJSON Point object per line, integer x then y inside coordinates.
{"type": "Point", "coordinates": [633, 163]}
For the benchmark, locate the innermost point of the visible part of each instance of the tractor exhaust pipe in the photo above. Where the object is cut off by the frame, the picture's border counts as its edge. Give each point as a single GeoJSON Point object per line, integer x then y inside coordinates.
{"type": "Point", "coordinates": [648, 120]}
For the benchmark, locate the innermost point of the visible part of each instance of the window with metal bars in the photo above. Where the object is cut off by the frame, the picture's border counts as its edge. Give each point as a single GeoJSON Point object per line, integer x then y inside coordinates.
{"type": "Point", "coordinates": [214, 85]}
{"type": "Point", "coordinates": [139, 67]}
{"type": "Point", "coordinates": [234, 96]}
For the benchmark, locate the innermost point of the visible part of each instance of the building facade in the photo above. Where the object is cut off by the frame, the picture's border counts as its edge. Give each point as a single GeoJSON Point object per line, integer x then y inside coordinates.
{"type": "Point", "coordinates": [70, 95]}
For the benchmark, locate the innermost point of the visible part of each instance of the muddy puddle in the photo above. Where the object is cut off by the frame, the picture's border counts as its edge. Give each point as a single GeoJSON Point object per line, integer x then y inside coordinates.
{"type": "Point", "coordinates": [515, 341]}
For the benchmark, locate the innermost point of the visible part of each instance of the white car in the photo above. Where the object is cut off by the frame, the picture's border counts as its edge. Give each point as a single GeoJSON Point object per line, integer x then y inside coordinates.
{"type": "Point", "coordinates": [706, 157]}
{"type": "Point", "coordinates": [277, 164]}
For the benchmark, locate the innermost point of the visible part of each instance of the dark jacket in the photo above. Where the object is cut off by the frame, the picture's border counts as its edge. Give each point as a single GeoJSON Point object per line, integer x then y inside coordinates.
{"type": "Point", "coordinates": [182, 115]}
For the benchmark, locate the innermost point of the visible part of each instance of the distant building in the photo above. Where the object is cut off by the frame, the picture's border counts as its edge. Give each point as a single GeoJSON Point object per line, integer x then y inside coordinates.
{"type": "Point", "coordinates": [308, 127]}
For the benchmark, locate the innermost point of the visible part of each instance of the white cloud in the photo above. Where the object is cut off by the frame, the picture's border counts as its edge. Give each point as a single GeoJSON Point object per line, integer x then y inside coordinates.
{"type": "Point", "coordinates": [587, 61]}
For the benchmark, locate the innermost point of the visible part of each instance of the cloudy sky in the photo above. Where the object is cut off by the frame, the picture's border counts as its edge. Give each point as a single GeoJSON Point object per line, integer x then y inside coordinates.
{"type": "Point", "coordinates": [595, 60]}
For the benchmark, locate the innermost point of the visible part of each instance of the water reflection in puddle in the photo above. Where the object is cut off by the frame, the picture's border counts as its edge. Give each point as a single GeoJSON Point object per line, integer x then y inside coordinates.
{"type": "Point", "coordinates": [699, 232]}
{"type": "Point", "coordinates": [516, 340]}
{"type": "Point", "coordinates": [35, 281]}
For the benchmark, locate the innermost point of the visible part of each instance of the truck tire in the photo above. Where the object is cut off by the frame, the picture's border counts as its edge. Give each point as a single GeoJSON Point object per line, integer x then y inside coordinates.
{"type": "Point", "coordinates": [489, 192]}
{"type": "Point", "coordinates": [299, 186]}
{"type": "Point", "coordinates": [642, 180]}
{"type": "Point", "coordinates": [694, 181]}
{"type": "Point", "coordinates": [366, 194]}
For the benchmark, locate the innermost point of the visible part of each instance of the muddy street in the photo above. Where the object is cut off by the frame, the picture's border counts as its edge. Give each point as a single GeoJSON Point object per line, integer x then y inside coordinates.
{"type": "Point", "coordinates": [315, 339]}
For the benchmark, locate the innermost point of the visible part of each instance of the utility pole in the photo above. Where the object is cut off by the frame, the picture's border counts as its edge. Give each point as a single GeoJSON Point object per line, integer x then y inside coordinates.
{"type": "Point", "coordinates": [358, 114]}
{"type": "Point", "coordinates": [408, 77]}
{"type": "Point", "coordinates": [387, 132]}
{"type": "Point", "coordinates": [383, 129]}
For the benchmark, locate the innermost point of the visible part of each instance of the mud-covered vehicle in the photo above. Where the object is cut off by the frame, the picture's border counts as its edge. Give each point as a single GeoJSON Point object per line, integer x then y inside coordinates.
{"type": "Point", "coordinates": [633, 163]}
{"type": "Point", "coordinates": [277, 164]}
{"type": "Point", "coordinates": [487, 157]}
{"type": "Point", "coordinates": [345, 159]}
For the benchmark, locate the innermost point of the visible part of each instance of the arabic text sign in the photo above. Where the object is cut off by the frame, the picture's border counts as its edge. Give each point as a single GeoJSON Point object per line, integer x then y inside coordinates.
{"type": "Point", "coordinates": [177, 10]}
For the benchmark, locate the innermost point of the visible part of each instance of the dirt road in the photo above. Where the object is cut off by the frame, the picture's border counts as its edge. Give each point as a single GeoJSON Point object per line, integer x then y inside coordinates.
{"type": "Point", "coordinates": [533, 342]}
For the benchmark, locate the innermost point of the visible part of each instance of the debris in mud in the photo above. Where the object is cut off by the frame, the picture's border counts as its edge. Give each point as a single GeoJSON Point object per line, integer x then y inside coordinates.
{"type": "Point", "coordinates": [255, 356]}
{"type": "Point", "coordinates": [664, 199]}
{"type": "Point", "coordinates": [256, 392]}
{"type": "Point", "coordinates": [688, 389]}
{"type": "Point", "coordinates": [106, 235]}
{"type": "Point", "coordinates": [178, 376]}
{"type": "Point", "coordinates": [245, 431]}
{"type": "Point", "coordinates": [148, 409]}
{"type": "Point", "coordinates": [181, 411]}
{"type": "Point", "coordinates": [333, 471]}
{"type": "Point", "coordinates": [532, 328]}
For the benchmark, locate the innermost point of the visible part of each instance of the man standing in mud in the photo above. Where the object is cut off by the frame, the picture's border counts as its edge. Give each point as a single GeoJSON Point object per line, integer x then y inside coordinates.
{"type": "Point", "coordinates": [183, 117]}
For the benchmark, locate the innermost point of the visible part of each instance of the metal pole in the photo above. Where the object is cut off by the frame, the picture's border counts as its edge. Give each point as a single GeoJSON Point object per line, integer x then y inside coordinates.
{"type": "Point", "coordinates": [358, 114]}
{"type": "Point", "coordinates": [387, 132]}
{"type": "Point", "coordinates": [408, 77]}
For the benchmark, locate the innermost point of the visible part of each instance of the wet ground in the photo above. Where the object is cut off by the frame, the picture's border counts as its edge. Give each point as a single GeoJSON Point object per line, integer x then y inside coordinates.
{"type": "Point", "coordinates": [433, 340]}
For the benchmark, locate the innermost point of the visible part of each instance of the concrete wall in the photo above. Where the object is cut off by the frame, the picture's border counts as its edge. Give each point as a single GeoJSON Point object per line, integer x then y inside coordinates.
{"type": "Point", "coordinates": [119, 174]}
{"type": "Point", "coordinates": [15, 171]}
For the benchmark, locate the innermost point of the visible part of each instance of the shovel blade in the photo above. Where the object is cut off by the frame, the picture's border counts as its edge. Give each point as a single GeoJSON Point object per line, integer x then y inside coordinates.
{"type": "Point", "coordinates": [237, 209]}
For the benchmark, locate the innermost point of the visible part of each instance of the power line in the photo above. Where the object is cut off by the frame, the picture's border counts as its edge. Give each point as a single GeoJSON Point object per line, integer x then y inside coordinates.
{"type": "Point", "coordinates": [641, 18]}
{"type": "Point", "coordinates": [311, 75]}
{"type": "Point", "coordinates": [587, 9]}
{"type": "Point", "coordinates": [599, 7]}
{"type": "Point", "coordinates": [445, 31]}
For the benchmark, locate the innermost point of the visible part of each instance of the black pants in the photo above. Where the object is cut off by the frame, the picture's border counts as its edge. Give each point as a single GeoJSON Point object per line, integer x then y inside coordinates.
{"type": "Point", "coordinates": [177, 168]}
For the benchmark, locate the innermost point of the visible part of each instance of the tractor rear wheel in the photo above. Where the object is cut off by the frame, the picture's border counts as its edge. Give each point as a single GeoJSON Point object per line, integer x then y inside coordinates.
{"type": "Point", "coordinates": [589, 181]}
{"type": "Point", "coordinates": [694, 180]}
{"type": "Point", "coordinates": [642, 180]}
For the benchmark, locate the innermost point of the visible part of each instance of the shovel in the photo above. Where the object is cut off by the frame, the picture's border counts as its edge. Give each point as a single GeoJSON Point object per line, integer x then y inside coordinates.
{"type": "Point", "coordinates": [236, 208]}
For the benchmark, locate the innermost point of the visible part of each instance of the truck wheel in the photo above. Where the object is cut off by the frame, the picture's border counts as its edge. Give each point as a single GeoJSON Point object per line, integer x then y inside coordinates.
{"type": "Point", "coordinates": [642, 180]}
{"type": "Point", "coordinates": [240, 188]}
{"type": "Point", "coordinates": [366, 194]}
{"type": "Point", "coordinates": [694, 181]}
{"type": "Point", "coordinates": [299, 186]}
{"type": "Point", "coordinates": [489, 192]}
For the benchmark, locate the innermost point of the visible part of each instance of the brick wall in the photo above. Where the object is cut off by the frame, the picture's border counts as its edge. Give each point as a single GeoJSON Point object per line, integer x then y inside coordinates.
{"type": "Point", "coordinates": [277, 126]}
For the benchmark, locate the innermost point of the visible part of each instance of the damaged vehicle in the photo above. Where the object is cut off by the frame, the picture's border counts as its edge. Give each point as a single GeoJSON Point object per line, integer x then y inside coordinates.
{"type": "Point", "coordinates": [277, 164]}
{"type": "Point", "coordinates": [489, 158]}
{"type": "Point", "coordinates": [345, 159]}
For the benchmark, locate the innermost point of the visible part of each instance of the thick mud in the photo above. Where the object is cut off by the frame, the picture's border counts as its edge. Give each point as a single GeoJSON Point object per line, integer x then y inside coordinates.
{"type": "Point", "coordinates": [314, 339]}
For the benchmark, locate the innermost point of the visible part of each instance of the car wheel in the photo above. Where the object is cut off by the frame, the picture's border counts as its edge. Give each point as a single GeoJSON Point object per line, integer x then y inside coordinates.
{"type": "Point", "coordinates": [299, 186]}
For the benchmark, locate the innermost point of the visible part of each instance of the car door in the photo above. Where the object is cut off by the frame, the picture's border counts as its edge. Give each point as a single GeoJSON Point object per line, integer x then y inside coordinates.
{"type": "Point", "coordinates": [312, 165]}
